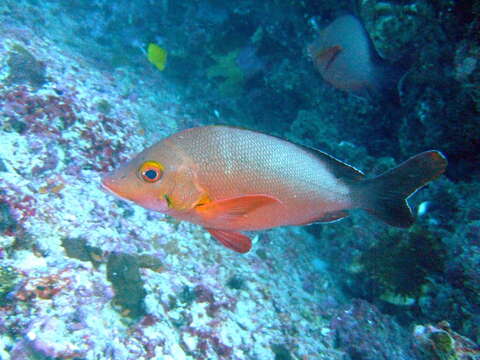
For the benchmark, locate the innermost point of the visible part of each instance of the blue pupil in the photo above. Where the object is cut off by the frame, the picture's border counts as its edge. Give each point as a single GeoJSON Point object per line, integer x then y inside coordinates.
{"type": "Point", "coordinates": [151, 174]}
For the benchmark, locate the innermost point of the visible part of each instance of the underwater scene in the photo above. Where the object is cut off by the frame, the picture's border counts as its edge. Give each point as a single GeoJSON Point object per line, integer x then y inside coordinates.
{"type": "Point", "coordinates": [245, 180]}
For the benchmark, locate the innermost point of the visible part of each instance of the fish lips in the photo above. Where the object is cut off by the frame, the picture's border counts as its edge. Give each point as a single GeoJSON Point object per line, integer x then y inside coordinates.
{"type": "Point", "coordinates": [112, 185]}
{"type": "Point", "coordinates": [109, 185]}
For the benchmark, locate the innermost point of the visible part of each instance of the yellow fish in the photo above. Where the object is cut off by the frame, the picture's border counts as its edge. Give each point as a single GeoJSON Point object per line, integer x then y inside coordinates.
{"type": "Point", "coordinates": [229, 180]}
{"type": "Point", "coordinates": [157, 56]}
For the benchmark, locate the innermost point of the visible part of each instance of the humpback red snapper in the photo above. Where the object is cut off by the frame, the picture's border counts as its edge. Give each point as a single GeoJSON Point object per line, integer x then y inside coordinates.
{"type": "Point", "coordinates": [229, 180]}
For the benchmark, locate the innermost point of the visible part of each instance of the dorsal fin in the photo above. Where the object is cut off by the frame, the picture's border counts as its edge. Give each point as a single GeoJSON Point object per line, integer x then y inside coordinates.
{"type": "Point", "coordinates": [338, 168]}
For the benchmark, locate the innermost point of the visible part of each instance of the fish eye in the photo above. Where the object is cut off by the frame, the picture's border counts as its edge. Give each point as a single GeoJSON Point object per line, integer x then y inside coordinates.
{"type": "Point", "coordinates": [150, 171]}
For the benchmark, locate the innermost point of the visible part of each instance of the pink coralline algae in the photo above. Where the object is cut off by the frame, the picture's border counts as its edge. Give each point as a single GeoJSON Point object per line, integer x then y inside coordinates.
{"type": "Point", "coordinates": [36, 342]}
{"type": "Point", "coordinates": [208, 340]}
{"type": "Point", "coordinates": [50, 115]}
{"type": "Point", "coordinates": [25, 207]}
{"type": "Point", "coordinates": [43, 287]}
{"type": "Point", "coordinates": [365, 333]}
{"type": "Point", "coordinates": [41, 114]}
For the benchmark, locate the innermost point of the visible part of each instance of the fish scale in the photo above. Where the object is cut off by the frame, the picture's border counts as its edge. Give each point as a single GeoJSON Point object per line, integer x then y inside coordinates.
{"type": "Point", "coordinates": [262, 163]}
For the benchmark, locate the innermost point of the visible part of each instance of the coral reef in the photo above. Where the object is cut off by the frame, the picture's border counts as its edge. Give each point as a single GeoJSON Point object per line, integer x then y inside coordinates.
{"type": "Point", "coordinates": [123, 271]}
{"type": "Point", "coordinates": [395, 26]}
{"type": "Point", "coordinates": [441, 342]}
{"type": "Point", "coordinates": [402, 262]}
{"type": "Point", "coordinates": [7, 221]}
{"type": "Point", "coordinates": [24, 68]}
{"type": "Point", "coordinates": [173, 292]}
{"type": "Point", "coordinates": [364, 333]}
{"type": "Point", "coordinates": [84, 275]}
{"type": "Point", "coordinates": [8, 279]}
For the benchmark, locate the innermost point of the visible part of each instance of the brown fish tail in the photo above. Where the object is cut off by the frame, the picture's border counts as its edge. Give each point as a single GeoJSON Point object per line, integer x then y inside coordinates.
{"type": "Point", "coordinates": [385, 196]}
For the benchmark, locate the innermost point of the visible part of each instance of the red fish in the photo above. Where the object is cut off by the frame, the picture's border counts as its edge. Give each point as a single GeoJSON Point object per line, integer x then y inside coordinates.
{"type": "Point", "coordinates": [229, 180]}
{"type": "Point", "coordinates": [346, 58]}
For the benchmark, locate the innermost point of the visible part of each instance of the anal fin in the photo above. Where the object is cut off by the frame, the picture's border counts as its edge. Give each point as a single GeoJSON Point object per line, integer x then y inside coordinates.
{"type": "Point", "coordinates": [232, 240]}
{"type": "Point", "coordinates": [332, 216]}
{"type": "Point", "coordinates": [328, 217]}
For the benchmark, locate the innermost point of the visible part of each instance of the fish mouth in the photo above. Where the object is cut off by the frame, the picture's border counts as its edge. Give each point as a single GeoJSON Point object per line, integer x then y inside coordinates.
{"type": "Point", "coordinates": [109, 186]}
{"type": "Point", "coordinates": [106, 188]}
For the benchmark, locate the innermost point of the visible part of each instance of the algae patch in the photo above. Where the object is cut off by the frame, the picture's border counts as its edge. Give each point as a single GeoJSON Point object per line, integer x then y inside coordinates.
{"type": "Point", "coordinates": [401, 262]}
{"type": "Point", "coordinates": [8, 280]}
{"type": "Point", "coordinates": [25, 68]}
{"type": "Point", "coordinates": [123, 271]}
{"type": "Point", "coordinates": [7, 221]}
{"type": "Point", "coordinates": [77, 248]}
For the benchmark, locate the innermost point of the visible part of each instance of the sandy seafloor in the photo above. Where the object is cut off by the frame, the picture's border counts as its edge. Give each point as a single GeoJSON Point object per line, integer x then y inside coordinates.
{"type": "Point", "coordinates": [201, 300]}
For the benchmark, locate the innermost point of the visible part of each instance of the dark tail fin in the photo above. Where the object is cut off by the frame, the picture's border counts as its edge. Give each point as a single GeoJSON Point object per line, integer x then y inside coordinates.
{"type": "Point", "coordinates": [386, 195]}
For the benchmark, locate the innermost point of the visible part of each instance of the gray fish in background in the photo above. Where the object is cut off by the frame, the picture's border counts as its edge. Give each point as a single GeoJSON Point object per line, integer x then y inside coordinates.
{"type": "Point", "coordinates": [345, 56]}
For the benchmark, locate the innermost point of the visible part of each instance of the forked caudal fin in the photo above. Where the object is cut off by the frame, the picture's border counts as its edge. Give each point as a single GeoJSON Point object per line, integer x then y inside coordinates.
{"type": "Point", "coordinates": [385, 196]}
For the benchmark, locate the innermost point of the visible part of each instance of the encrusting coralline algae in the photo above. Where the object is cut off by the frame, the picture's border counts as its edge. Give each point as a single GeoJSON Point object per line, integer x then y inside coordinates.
{"type": "Point", "coordinates": [70, 254]}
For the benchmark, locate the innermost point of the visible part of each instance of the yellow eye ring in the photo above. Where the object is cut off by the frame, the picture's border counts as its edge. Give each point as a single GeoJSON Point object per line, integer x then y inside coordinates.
{"type": "Point", "coordinates": [151, 171]}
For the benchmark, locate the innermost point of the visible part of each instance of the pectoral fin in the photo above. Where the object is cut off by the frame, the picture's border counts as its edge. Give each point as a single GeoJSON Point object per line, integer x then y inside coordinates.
{"type": "Point", "coordinates": [230, 211]}
{"type": "Point", "coordinates": [232, 240]}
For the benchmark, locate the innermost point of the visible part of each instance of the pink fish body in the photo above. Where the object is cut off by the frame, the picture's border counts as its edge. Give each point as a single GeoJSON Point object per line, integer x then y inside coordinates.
{"type": "Point", "coordinates": [346, 58]}
{"type": "Point", "coordinates": [229, 180]}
